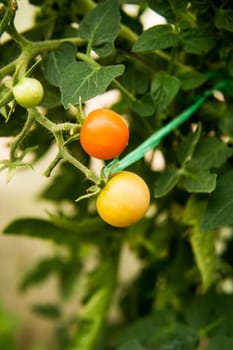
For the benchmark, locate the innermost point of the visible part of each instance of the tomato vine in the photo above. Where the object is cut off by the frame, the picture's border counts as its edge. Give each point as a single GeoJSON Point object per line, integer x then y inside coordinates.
{"type": "Point", "coordinates": [171, 208]}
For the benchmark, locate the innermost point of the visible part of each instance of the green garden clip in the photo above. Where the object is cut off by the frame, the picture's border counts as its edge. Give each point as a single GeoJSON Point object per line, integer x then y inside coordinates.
{"type": "Point", "coordinates": [117, 165]}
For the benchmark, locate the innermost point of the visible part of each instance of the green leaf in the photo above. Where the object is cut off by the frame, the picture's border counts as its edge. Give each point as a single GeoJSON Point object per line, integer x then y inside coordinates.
{"type": "Point", "coordinates": [164, 88]}
{"type": "Point", "coordinates": [81, 80]}
{"type": "Point", "coordinates": [81, 227]}
{"type": "Point", "coordinates": [211, 314]}
{"type": "Point", "coordinates": [226, 123]}
{"type": "Point", "coordinates": [220, 205]}
{"type": "Point", "coordinates": [9, 325]}
{"type": "Point", "coordinates": [220, 342]}
{"type": "Point", "coordinates": [198, 40]}
{"type": "Point", "coordinates": [199, 182]}
{"type": "Point", "coordinates": [202, 242]}
{"type": "Point", "coordinates": [56, 61]}
{"type": "Point", "coordinates": [39, 272]}
{"type": "Point", "coordinates": [142, 329]}
{"type": "Point", "coordinates": [163, 8]}
{"type": "Point", "coordinates": [144, 107]}
{"type": "Point", "coordinates": [95, 308]}
{"type": "Point", "coordinates": [224, 20]}
{"type": "Point", "coordinates": [187, 147]}
{"type": "Point", "coordinates": [37, 228]}
{"type": "Point", "coordinates": [40, 228]}
{"type": "Point", "coordinates": [210, 153]}
{"type": "Point", "coordinates": [192, 80]}
{"type": "Point", "coordinates": [159, 37]}
{"type": "Point", "coordinates": [68, 273]}
{"type": "Point", "coordinates": [161, 332]}
{"type": "Point", "coordinates": [50, 311]}
{"type": "Point", "coordinates": [132, 344]}
{"type": "Point", "coordinates": [179, 5]}
{"type": "Point", "coordinates": [193, 211]}
{"type": "Point", "coordinates": [230, 63]}
{"type": "Point", "coordinates": [135, 79]}
{"type": "Point", "coordinates": [101, 26]}
{"type": "Point", "coordinates": [176, 336]}
{"type": "Point", "coordinates": [201, 5]}
{"type": "Point", "coordinates": [165, 181]}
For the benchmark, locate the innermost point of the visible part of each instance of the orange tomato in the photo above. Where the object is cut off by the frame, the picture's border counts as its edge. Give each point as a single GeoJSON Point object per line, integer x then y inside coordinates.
{"type": "Point", "coordinates": [124, 200]}
{"type": "Point", "coordinates": [104, 134]}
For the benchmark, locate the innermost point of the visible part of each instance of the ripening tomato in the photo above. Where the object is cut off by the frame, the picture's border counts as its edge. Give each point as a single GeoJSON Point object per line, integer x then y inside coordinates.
{"type": "Point", "coordinates": [104, 134]}
{"type": "Point", "coordinates": [124, 200]}
{"type": "Point", "coordinates": [28, 92]}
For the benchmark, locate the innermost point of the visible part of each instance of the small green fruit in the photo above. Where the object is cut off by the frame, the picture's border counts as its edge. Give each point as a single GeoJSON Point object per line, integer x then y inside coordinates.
{"type": "Point", "coordinates": [28, 92]}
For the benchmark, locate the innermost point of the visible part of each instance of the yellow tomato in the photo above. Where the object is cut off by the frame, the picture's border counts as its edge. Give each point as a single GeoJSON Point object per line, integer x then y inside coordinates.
{"type": "Point", "coordinates": [124, 200]}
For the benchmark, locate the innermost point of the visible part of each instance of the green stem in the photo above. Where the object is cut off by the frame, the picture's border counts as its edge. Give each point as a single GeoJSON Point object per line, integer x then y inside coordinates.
{"type": "Point", "coordinates": [89, 47]}
{"type": "Point", "coordinates": [9, 68]}
{"type": "Point", "coordinates": [21, 136]}
{"type": "Point", "coordinates": [64, 126]}
{"type": "Point", "coordinates": [52, 165]}
{"type": "Point", "coordinates": [20, 63]}
{"type": "Point", "coordinates": [125, 91]}
{"type": "Point", "coordinates": [16, 36]}
{"type": "Point", "coordinates": [87, 59]}
{"type": "Point", "coordinates": [86, 6]}
{"type": "Point", "coordinates": [210, 327]}
{"type": "Point", "coordinates": [56, 130]}
{"type": "Point", "coordinates": [49, 45]}
{"type": "Point", "coordinates": [31, 49]}
{"type": "Point", "coordinates": [45, 122]}
{"type": "Point", "coordinates": [7, 18]}
{"type": "Point", "coordinates": [87, 172]}
{"type": "Point", "coordinates": [126, 32]}
{"type": "Point", "coordinates": [93, 315]}
{"type": "Point", "coordinates": [6, 99]}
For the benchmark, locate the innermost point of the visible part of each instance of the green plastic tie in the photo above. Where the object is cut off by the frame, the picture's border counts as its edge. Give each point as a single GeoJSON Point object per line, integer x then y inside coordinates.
{"type": "Point", "coordinates": [139, 152]}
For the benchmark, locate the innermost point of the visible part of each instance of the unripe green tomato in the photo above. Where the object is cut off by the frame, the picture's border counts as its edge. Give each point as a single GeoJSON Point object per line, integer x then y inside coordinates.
{"type": "Point", "coordinates": [28, 92]}
{"type": "Point", "coordinates": [124, 200]}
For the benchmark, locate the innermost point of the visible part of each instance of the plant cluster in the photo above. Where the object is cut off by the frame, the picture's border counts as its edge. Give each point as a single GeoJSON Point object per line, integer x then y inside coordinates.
{"type": "Point", "coordinates": [77, 50]}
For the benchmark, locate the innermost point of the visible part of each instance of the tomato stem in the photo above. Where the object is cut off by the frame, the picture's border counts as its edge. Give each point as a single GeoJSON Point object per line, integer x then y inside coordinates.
{"type": "Point", "coordinates": [52, 165]}
{"type": "Point", "coordinates": [125, 91]}
{"type": "Point", "coordinates": [86, 171]}
{"type": "Point", "coordinates": [21, 136]}
{"type": "Point", "coordinates": [16, 36]}
{"type": "Point", "coordinates": [63, 153]}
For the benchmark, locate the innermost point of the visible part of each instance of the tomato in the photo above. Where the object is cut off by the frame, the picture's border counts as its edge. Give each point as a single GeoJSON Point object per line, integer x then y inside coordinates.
{"type": "Point", "coordinates": [104, 134]}
{"type": "Point", "coordinates": [28, 92]}
{"type": "Point", "coordinates": [124, 200]}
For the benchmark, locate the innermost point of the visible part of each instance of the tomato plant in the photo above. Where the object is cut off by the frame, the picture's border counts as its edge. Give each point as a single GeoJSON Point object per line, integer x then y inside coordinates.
{"type": "Point", "coordinates": [104, 134]}
{"type": "Point", "coordinates": [157, 279]}
{"type": "Point", "coordinates": [28, 92]}
{"type": "Point", "coordinates": [124, 199]}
